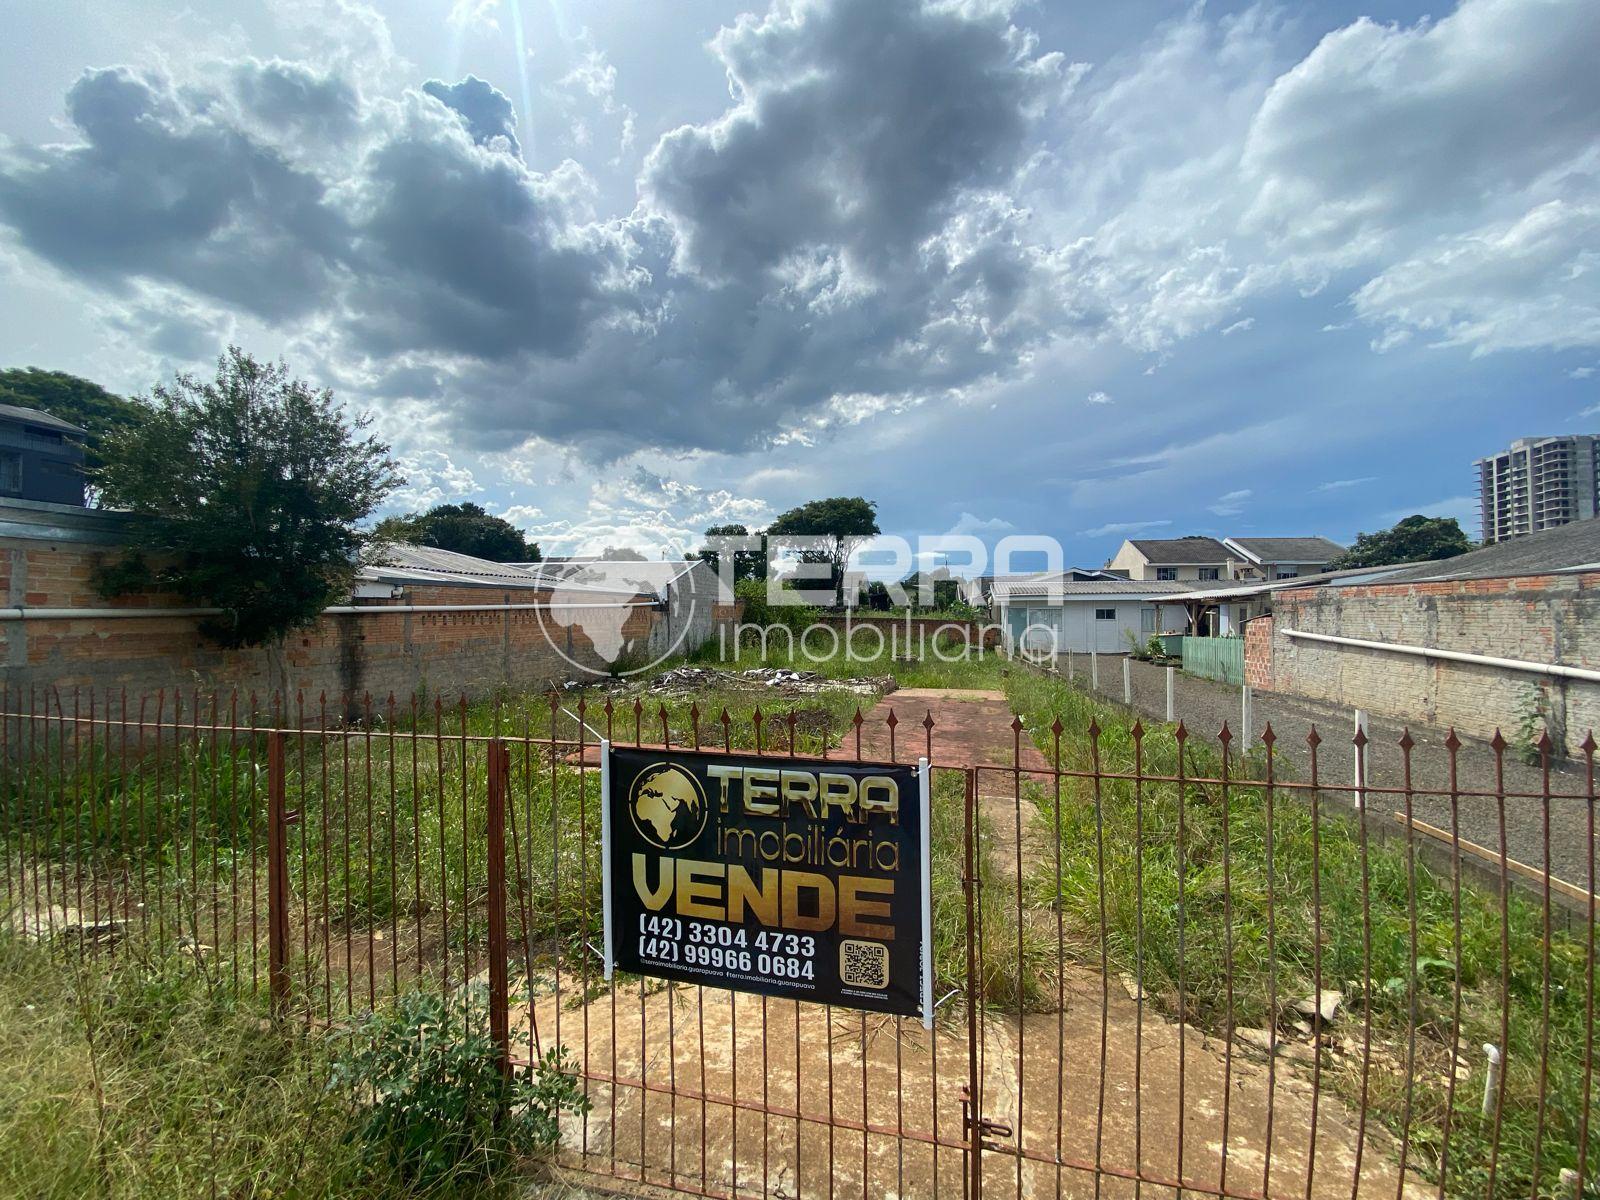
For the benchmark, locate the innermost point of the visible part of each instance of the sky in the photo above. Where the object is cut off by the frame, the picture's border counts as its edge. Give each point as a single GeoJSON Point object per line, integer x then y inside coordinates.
{"type": "Point", "coordinates": [620, 271]}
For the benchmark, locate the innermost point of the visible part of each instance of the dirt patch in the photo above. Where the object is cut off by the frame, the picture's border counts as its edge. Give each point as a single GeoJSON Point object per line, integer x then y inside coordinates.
{"type": "Point", "coordinates": [735, 1094]}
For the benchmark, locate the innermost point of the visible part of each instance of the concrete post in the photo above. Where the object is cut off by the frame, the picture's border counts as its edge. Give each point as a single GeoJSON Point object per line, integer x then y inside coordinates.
{"type": "Point", "coordinates": [1247, 717]}
{"type": "Point", "coordinates": [1127, 681]}
{"type": "Point", "coordinates": [1172, 707]}
{"type": "Point", "coordinates": [1094, 670]}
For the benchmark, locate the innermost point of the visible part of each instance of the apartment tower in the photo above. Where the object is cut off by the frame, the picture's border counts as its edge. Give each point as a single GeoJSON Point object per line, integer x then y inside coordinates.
{"type": "Point", "coordinates": [1538, 483]}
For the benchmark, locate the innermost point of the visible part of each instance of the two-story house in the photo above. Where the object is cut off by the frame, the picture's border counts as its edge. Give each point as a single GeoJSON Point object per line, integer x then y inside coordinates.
{"type": "Point", "coordinates": [1280, 558]}
{"type": "Point", "coordinates": [1163, 559]}
{"type": "Point", "coordinates": [1206, 560]}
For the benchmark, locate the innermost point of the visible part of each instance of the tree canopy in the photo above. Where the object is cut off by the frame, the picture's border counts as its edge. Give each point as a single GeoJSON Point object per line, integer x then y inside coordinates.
{"type": "Point", "coordinates": [248, 490]}
{"type": "Point", "coordinates": [97, 412]}
{"type": "Point", "coordinates": [747, 564]}
{"type": "Point", "coordinates": [465, 528]}
{"type": "Point", "coordinates": [1414, 539]}
{"type": "Point", "coordinates": [847, 520]}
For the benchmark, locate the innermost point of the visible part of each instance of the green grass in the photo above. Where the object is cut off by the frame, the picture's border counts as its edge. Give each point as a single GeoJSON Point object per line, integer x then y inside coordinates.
{"type": "Point", "coordinates": [1254, 868]}
{"type": "Point", "coordinates": [135, 1079]}
{"type": "Point", "coordinates": [1258, 882]}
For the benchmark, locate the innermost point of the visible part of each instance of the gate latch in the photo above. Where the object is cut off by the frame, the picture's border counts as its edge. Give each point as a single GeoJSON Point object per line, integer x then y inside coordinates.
{"type": "Point", "coordinates": [981, 1125]}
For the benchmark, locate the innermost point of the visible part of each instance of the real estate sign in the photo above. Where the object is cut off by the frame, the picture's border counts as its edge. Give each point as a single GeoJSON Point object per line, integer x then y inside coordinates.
{"type": "Point", "coordinates": [801, 878]}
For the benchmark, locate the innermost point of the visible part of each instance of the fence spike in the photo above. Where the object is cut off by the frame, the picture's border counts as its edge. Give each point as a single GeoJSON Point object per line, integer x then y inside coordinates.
{"type": "Point", "coordinates": [1138, 729]}
{"type": "Point", "coordinates": [1016, 726]}
{"type": "Point", "coordinates": [1313, 739]}
{"type": "Point", "coordinates": [1226, 736]}
{"type": "Point", "coordinates": [1588, 746]}
{"type": "Point", "coordinates": [1181, 733]}
{"type": "Point", "coordinates": [1268, 737]}
{"type": "Point", "coordinates": [1498, 742]}
{"type": "Point", "coordinates": [1056, 726]}
{"type": "Point", "coordinates": [1406, 741]}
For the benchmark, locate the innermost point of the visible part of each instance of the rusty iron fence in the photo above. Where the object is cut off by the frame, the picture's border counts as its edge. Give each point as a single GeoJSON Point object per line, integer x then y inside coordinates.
{"type": "Point", "coordinates": [1165, 965]}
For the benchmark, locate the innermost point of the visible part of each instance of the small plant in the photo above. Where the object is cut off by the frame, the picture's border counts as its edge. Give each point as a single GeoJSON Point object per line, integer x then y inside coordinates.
{"type": "Point", "coordinates": [1155, 648]}
{"type": "Point", "coordinates": [1532, 713]}
{"type": "Point", "coordinates": [437, 1105]}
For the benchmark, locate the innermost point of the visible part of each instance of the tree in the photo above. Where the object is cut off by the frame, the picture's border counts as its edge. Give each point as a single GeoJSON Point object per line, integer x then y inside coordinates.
{"type": "Point", "coordinates": [247, 492]}
{"type": "Point", "coordinates": [747, 564]}
{"type": "Point", "coordinates": [86, 404]}
{"type": "Point", "coordinates": [846, 520]}
{"type": "Point", "coordinates": [1414, 539]}
{"type": "Point", "coordinates": [465, 528]}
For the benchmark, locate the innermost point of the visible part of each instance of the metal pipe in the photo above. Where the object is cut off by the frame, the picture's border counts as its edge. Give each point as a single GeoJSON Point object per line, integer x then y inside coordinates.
{"type": "Point", "coordinates": [109, 614]}
{"type": "Point", "coordinates": [1482, 660]}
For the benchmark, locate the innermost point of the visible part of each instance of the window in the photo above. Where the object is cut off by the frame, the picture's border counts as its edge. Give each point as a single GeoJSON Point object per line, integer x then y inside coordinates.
{"type": "Point", "coordinates": [1210, 573]}
{"type": "Point", "coordinates": [10, 472]}
{"type": "Point", "coordinates": [1105, 614]}
{"type": "Point", "coordinates": [1286, 573]}
{"type": "Point", "coordinates": [1166, 572]}
{"type": "Point", "coordinates": [1147, 620]}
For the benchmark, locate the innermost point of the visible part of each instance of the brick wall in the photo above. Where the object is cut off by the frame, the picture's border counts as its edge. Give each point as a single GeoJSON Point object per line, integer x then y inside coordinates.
{"type": "Point", "coordinates": [1551, 619]}
{"type": "Point", "coordinates": [1258, 653]}
{"type": "Point", "coordinates": [371, 651]}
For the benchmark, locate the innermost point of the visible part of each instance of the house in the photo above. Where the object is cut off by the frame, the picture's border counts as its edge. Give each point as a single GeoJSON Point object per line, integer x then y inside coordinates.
{"type": "Point", "coordinates": [1505, 637]}
{"type": "Point", "coordinates": [41, 457]}
{"type": "Point", "coordinates": [1207, 560]}
{"type": "Point", "coordinates": [1279, 557]}
{"type": "Point", "coordinates": [1169, 559]}
{"type": "Point", "coordinates": [1107, 615]}
{"type": "Point", "coordinates": [979, 591]}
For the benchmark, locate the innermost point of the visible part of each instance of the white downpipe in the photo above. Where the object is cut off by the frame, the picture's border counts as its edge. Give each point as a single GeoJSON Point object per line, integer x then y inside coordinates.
{"type": "Point", "coordinates": [1482, 660]}
{"type": "Point", "coordinates": [335, 610]}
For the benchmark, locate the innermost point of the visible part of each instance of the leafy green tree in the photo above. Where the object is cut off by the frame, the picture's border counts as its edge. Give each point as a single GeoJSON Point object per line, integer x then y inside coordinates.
{"type": "Point", "coordinates": [465, 528]}
{"type": "Point", "coordinates": [846, 520]}
{"type": "Point", "coordinates": [1414, 539]}
{"type": "Point", "coordinates": [248, 490]}
{"type": "Point", "coordinates": [747, 564]}
{"type": "Point", "coordinates": [86, 404]}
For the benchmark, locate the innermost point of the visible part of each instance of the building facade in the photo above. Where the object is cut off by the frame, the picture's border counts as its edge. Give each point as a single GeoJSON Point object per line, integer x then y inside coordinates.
{"type": "Point", "coordinates": [41, 457]}
{"type": "Point", "coordinates": [1538, 483]}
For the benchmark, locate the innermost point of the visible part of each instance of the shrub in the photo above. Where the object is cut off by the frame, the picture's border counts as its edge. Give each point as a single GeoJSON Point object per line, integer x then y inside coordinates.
{"type": "Point", "coordinates": [437, 1105]}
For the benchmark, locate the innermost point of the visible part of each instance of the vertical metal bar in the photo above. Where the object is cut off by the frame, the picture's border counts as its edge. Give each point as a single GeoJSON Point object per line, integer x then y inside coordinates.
{"type": "Point", "coordinates": [1269, 739]}
{"type": "Point", "coordinates": [1359, 741]}
{"type": "Point", "coordinates": [277, 879]}
{"type": "Point", "coordinates": [1589, 954]}
{"type": "Point", "coordinates": [1226, 738]}
{"type": "Point", "coordinates": [499, 998]}
{"type": "Point", "coordinates": [609, 931]}
{"type": "Point", "coordinates": [1453, 745]}
{"type": "Point", "coordinates": [973, 1149]}
{"type": "Point", "coordinates": [1182, 1014]}
{"type": "Point", "coordinates": [1105, 964]}
{"type": "Point", "coordinates": [1544, 959]}
{"type": "Point", "coordinates": [925, 801]}
{"type": "Point", "coordinates": [1406, 745]}
{"type": "Point", "coordinates": [1313, 741]}
{"type": "Point", "coordinates": [1499, 745]}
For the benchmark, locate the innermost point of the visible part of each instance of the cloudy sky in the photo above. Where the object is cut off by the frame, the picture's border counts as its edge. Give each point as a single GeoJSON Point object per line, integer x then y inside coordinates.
{"type": "Point", "coordinates": [620, 270]}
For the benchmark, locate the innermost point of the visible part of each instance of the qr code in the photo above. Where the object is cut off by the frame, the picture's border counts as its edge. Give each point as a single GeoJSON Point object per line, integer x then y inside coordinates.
{"type": "Point", "coordinates": [864, 964]}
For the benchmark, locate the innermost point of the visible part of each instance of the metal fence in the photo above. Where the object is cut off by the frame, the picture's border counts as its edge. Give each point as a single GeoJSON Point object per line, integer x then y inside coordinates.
{"type": "Point", "coordinates": [1163, 966]}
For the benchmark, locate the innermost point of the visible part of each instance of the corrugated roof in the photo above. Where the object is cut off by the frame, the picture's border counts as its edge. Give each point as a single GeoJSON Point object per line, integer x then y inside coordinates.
{"type": "Point", "coordinates": [1073, 590]}
{"type": "Point", "coordinates": [1262, 587]}
{"type": "Point", "coordinates": [1184, 551]}
{"type": "Point", "coordinates": [32, 416]}
{"type": "Point", "coordinates": [1564, 548]}
{"type": "Point", "coordinates": [1288, 549]}
{"type": "Point", "coordinates": [401, 562]}
{"type": "Point", "coordinates": [649, 578]}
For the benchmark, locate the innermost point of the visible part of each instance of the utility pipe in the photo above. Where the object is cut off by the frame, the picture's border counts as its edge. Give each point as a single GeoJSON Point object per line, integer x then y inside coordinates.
{"type": "Point", "coordinates": [107, 614]}
{"type": "Point", "coordinates": [1482, 660]}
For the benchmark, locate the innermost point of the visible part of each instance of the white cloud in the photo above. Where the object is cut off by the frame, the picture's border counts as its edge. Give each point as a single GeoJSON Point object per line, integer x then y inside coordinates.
{"type": "Point", "coordinates": [1231, 504]}
{"type": "Point", "coordinates": [967, 523]}
{"type": "Point", "coordinates": [1098, 398]}
{"type": "Point", "coordinates": [1335, 485]}
{"type": "Point", "coordinates": [1122, 528]}
{"type": "Point", "coordinates": [1241, 326]}
{"type": "Point", "coordinates": [1581, 372]}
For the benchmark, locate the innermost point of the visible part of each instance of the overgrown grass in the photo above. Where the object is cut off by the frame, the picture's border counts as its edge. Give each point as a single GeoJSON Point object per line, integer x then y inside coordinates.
{"type": "Point", "coordinates": [1272, 900]}
{"type": "Point", "coordinates": [134, 1078]}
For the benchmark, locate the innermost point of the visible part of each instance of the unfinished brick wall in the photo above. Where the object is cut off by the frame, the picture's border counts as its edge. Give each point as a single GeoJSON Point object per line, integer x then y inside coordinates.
{"type": "Point", "coordinates": [1258, 653]}
{"type": "Point", "coordinates": [1543, 619]}
{"type": "Point", "coordinates": [368, 652]}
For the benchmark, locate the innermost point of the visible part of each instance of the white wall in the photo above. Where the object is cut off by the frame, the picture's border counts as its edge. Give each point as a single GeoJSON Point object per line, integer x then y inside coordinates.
{"type": "Point", "coordinates": [1080, 631]}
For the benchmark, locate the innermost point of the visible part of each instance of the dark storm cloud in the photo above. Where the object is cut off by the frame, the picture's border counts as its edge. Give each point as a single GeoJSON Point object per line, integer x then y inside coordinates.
{"type": "Point", "coordinates": [859, 126]}
{"type": "Point", "coordinates": [839, 240]}
{"type": "Point", "coordinates": [486, 111]}
{"type": "Point", "coordinates": [165, 187]}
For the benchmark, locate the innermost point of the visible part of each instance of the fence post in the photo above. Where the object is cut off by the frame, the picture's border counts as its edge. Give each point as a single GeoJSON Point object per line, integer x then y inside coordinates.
{"type": "Point", "coordinates": [1247, 716]}
{"type": "Point", "coordinates": [499, 1000]}
{"type": "Point", "coordinates": [1361, 759]}
{"type": "Point", "coordinates": [277, 878]}
{"type": "Point", "coordinates": [1094, 670]}
{"type": "Point", "coordinates": [1127, 681]}
{"type": "Point", "coordinates": [1172, 707]}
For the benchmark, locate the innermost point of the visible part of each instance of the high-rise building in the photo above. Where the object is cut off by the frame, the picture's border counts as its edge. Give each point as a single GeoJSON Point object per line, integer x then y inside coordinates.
{"type": "Point", "coordinates": [1538, 483]}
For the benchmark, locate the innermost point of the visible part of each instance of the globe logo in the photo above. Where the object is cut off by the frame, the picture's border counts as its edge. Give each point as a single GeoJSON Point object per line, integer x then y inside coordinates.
{"type": "Point", "coordinates": [668, 807]}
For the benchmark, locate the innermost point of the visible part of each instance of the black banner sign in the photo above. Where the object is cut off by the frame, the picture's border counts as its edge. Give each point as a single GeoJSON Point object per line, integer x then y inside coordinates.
{"type": "Point", "coordinates": [802, 878]}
